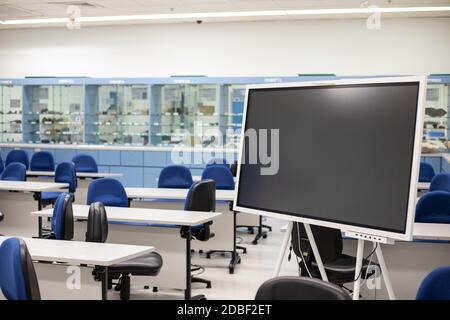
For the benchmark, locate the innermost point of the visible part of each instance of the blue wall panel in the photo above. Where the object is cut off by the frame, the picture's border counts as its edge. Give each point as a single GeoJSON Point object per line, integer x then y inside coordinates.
{"type": "Point", "coordinates": [156, 159]}
{"type": "Point", "coordinates": [62, 155]}
{"type": "Point", "coordinates": [132, 176]}
{"type": "Point", "coordinates": [109, 158]}
{"type": "Point", "coordinates": [103, 169]}
{"type": "Point", "coordinates": [435, 162]}
{"type": "Point", "coordinates": [151, 176]}
{"type": "Point", "coordinates": [132, 158]}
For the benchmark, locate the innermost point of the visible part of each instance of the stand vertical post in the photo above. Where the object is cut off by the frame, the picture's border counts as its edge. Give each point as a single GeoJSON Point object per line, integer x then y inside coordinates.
{"type": "Point", "coordinates": [358, 267]}
{"type": "Point", "coordinates": [315, 250]}
{"type": "Point", "coordinates": [384, 272]}
{"type": "Point", "coordinates": [284, 246]}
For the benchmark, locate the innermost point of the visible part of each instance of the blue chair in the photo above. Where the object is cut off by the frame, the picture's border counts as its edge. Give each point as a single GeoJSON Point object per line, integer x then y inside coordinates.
{"type": "Point", "coordinates": [219, 162]}
{"type": "Point", "coordinates": [221, 175]}
{"type": "Point", "coordinates": [42, 161]}
{"type": "Point", "coordinates": [436, 285]}
{"type": "Point", "coordinates": [17, 275]}
{"type": "Point", "coordinates": [64, 173]}
{"type": "Point", "coordinates": [440, 182]}
{"type": "Point", "coordinates": [426, 172]}
{"type": "Point", "coordinates": [434, 207]}
{"type": "Point", "coordinates": [2, 166]}
{"type": "Point", "coordinates": [62, 218]}
{"type": "Point", "coordinates": [85, 163]}
{"type": "Point", "coordinates": [108, 191]}
{"type": "Point", "coordinates": [18, 156]}
{"type": "Point", "coordinates": [14, 171]}
{"type": "Point", "coordinates": [175, 177]}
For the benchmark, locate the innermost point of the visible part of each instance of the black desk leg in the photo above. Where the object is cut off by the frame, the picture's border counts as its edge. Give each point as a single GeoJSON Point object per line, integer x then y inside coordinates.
{"type": "Point", "coordinates": [105, 284]}
{"type": "Point", "coordinates": [235, 257]}
{"type": "Point", "coordinates": [38, 198]}
{"type": "Point", "coordinates": [187, 234]}
{"type": "Point", "coordinates": [261, 233]}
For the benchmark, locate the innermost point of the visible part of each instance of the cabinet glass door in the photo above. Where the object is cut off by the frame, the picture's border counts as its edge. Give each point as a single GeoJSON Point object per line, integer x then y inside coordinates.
{"type": "Point", "coordinates": [11, 125]}
{"type": "Point", "coordinates": [118, 115]}
{"type": "Point", "coordinates": [436, 130]}
{"type": "Point", "coordinates": [54, 114]}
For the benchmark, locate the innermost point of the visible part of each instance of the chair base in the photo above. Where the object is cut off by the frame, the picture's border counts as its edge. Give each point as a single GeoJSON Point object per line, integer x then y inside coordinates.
{"type": "Point", "coordinates": [201, 280]}
{"type": "Point", "coordinates": [235, 258]}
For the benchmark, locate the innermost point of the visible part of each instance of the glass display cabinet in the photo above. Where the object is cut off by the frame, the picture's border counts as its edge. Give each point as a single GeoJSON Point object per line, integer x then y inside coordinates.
{"type": "Point", "coordinates": [185, 115]}
{"type": "Point", "coordinates": [232, 115]}
{"type": "Point", "coordinates": [11, 125]}
{"type": "Point", "coordinates": [117, 114]}
{"type": "Point", "coordinates": [166, 112]}
{"type": "Point", "coordinates": [53, 114]}
{"type": "Point", "coordinates": [436, 130]}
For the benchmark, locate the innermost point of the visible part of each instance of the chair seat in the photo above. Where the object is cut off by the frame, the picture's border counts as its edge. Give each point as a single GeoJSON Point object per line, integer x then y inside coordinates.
{"type": "Point", "coordinates": [50, 195]}
{"type": "Point", "coordinates": [341, 270]}
{"type": "Point", "coordinates": [147, 265]}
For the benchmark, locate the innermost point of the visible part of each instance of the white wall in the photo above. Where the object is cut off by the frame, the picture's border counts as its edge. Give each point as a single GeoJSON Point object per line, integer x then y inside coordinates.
{"type": "Point", "coordinates": [345, 47]}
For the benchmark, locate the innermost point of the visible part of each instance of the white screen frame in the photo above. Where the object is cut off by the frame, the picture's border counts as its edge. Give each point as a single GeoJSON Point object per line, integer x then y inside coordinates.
{"type": "Point", "coordinates": [415, 165]}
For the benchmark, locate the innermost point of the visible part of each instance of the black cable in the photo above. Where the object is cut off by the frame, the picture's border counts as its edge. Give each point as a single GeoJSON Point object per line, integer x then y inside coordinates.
{"type": "Point", "coordinates": [370, 255]}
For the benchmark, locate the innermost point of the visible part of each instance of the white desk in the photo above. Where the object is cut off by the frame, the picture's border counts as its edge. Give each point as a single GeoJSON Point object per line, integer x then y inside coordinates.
{"type": "Point", "coordinates": [84, 179]}
{"type": "Point", "coordinates": [174, 249]}
{"type": "Point", "coordinates": [17, 205]}
{"type": "Point", "coordinates": [224, 226]}
{"type": "Point", "coordinates": [58, 255]}
{"type": "Point", "coordinates": [80, 175]}
{"type": "Point", "coordinates": [423, 186]}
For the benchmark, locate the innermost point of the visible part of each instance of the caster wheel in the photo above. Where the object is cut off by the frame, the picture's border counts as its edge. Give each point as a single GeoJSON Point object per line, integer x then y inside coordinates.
{"type": "Point", "coordinates": [265, 236]}
{"type": "Point", "coordinates": [208, 286]}
{"type": "Point", "coordinates": [146, 287]}
{"type": "Point", "coordinates": [200, 251]}
{"type": "Point", "coordinates": [155, 289]}
{"type": "Point", "coordinates": [255, 242]}
{"type": "Point", "coordinates": [208, 256]}
{"type": "Point", "coordinates": [231, 270]}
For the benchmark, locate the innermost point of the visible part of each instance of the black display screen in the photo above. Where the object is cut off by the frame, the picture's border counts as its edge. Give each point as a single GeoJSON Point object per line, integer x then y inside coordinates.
{"type": "Point", "coordinates": [345, 153]}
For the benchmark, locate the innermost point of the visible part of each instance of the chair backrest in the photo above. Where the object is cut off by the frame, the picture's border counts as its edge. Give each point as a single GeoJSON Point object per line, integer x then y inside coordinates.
{"type": "Point", "coordinates": [218, 161]}
{"type": "Point", "coordinates": [440, 182]}
{"type": "Point", "coordinates": [62, 219]}
{"type": "Point", "coordinates": [17, 156]}
{"type": "Point", "coordinates": [65, 173]}
{"type": "Point", "coordinates": [436, 285]}
{"type": "Point", "coordinates": [17, 275]}
{"type": "Point", "coordinates": [85, 163]}
{"type": "Point", "coordinates": [426, 172]}
{"type": "Point", "coordinates": [221, 175]}
{"type": "Point", "coordinates": [233, 169]}
{"type": "Point", "coordinates": [201, 196]}
{"type": "Point", "coordinates": [2, 166]}
{"type": "Point", "coordinates": [42, 161]}
{"type": "Point", "coordinates": [434, 207]}
{"type": "Point", "coordinates": [108, 191]}
{"type": "Point", "coordinates": [97, 225]}
{"type": "Point", "coordinates": [329, 241]}
{"type": "Point", "coordinates": [14, 171]}
{"type": "Point", "coordinates": [175, 177]}
{"type": "Point", "coordinates": [300, 288]}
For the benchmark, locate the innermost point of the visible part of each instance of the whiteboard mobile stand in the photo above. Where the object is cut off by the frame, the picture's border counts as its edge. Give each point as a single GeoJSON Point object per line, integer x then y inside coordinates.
{"type": "Point", "coordinates": [362, 234]}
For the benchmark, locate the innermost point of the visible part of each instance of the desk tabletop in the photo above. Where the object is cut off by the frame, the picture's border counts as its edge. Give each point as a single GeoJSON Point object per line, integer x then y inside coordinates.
{"type": "Point", "coordinates": [31, 186]}
{"type": "Point", "coordinates": [423, 185]}
{"type": "Point", "coordinates": [431, 231]}
{"type": "Point", "coordinates": [76, 252]}
{"type": "Point", "coordinates": [169, 193]}
{"type": "Point", "coordinates": [142, 215]}
{"type": "Point", "coordinates": [93, 175]}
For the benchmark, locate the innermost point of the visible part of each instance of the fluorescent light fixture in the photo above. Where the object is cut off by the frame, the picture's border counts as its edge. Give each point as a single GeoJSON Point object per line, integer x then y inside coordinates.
{"type": "Point", "coordinates": [236, 14]}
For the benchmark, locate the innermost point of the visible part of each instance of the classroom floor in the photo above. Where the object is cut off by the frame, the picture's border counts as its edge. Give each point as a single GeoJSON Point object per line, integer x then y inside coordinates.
{"type": "Point", "coordinates": [256, 267]}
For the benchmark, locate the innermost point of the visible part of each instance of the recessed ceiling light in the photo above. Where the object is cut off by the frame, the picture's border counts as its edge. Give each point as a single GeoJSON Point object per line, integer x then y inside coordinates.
{"type": "Point", "coordinates": [236, 14]}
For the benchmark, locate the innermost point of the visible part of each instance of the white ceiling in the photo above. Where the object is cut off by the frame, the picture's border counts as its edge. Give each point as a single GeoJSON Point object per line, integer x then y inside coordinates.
{"type": "Point", "coordinates": [20, 9]}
